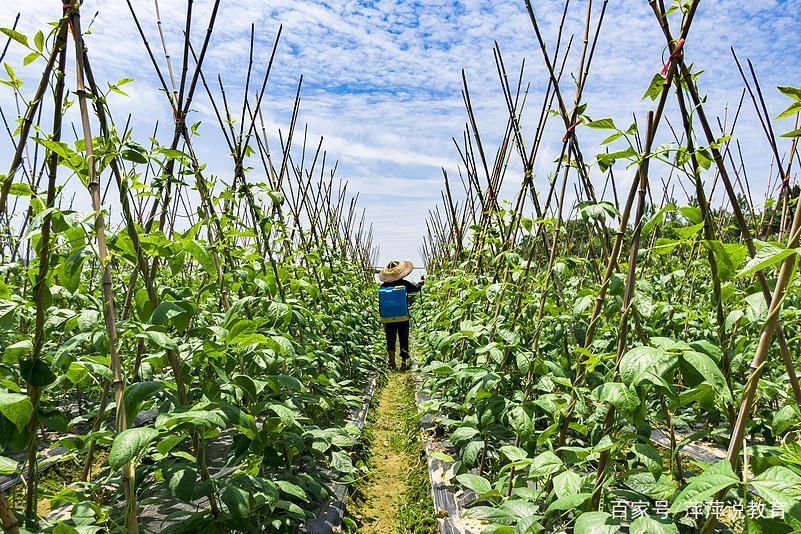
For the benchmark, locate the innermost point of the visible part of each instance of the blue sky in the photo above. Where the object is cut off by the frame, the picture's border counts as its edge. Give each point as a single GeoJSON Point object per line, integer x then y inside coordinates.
{"type": "Point", "coordinates": [382, 80]}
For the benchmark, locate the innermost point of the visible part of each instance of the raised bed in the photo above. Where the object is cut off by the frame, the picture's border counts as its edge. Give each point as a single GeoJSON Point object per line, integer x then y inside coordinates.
{"type": "Point", "coordinates": [329, 516]}
{"type": "Point", "coordinates": [448, 509]}
{"type": "Point", "coordinates": [49, 457]}
{"type": "Point", "coordinates": [450, 503]}
{"type": "Point", "coordinates": [162, 512]}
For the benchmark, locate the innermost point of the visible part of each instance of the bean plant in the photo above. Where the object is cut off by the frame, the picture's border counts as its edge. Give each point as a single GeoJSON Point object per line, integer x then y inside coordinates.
{"type": "Point", "coordinates": [194, 346]}
{"type": "Point", "coordinates": [582, 351]}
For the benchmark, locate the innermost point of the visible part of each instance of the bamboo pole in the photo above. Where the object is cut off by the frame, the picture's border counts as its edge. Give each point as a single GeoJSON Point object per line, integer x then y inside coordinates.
{"type": "Point", "coordinates": [624, 218]}
{"type": "Point", "coordinates": [27, 120]}
{"type": "Point", "coordinates": [8, 520]}
{"type": "Point", "coordinates": [109, 313]}
{"type": "Point", "coordinates": [735, 206]}
{"type": "Point", "coordinates": [40, 285]}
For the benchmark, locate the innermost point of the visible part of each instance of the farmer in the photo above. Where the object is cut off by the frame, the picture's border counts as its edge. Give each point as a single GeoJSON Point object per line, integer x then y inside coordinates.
{"type": "Point", "coordinates": [394, 307]}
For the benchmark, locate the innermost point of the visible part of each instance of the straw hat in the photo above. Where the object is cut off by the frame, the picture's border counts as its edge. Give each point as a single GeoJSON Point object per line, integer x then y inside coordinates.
{"type": "Point", "coordinates": [395, 270]}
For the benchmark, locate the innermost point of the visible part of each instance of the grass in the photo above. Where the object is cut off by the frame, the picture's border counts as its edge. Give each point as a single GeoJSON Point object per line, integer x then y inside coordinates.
{"type": "Point", "coordinates": [395, 496]}
{"type": "Point", "coordinates": [56, 480]}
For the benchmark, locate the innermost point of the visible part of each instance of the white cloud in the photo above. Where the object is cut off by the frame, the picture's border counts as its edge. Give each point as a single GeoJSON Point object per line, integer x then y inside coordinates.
{"type": "Point", "coordinates": [382, 80]}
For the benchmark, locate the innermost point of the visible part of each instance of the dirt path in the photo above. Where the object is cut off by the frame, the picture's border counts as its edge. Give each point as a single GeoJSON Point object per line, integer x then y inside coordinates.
{"type": "Point", "coordinates": [395, 496]}
{"type": "Point", "coordinates": [388, 463]}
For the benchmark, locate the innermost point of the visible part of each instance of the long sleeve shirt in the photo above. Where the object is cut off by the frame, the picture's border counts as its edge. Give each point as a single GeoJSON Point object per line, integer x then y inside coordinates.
{"type": "Point", "coordinates": [410, 287]}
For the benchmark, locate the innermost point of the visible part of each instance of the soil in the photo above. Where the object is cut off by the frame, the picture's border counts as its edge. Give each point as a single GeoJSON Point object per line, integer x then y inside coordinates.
{"type": "Point", "coordinates": [57, 478]}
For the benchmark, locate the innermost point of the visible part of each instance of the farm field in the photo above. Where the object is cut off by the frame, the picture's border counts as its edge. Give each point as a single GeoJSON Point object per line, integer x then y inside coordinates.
{"type": "Point", "coordinates": [607, 336]}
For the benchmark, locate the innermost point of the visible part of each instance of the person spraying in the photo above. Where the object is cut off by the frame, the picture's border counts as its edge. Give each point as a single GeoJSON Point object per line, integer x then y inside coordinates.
{"type": "Point", "coordinates": [393, 306]}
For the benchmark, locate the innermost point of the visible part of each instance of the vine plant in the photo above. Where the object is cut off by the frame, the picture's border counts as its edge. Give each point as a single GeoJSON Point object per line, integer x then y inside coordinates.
{"type": "Point", "coordinates": [578, 370]}
{"type": "Point", "coordinates": [205, 353]}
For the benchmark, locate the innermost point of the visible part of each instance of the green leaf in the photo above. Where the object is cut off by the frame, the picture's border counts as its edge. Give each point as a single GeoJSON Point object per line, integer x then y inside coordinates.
{"type": "Point", "coordinates": [792, 92]}
{"type": "Point", "coordinates": [96, 369]}
{"type": "Point", "coordinates": [8, 466]}
{"type": "Point", "coordinates": [181, 482]}
{"type": "Point", "coordinates": [63, 528]}
{"type": "Point", "coordinates": [277, 197]}
{"type": "Point", "coordinates": [175, 154]}
{"type": "Point", "coordinates": [656, 219]}
{"type": "Point", "coordinates": [618, 395]}
{"type": "Point", "coordinates": [514, 454]}
{"type": "Point", "coordinates": [768, 254]}
{"type": "Point", "coordinates": [644, 482]}
{"type": "Point", "coordinates": [290, 507]}
{"type": "Point", "coordinates": [292, 489]}
{"type": "Point", "coordinates": [792, 109]}
{"type": "Point", "coordinates": [117, 90]}
{"type": "Point", "coordinates": [159, 339]}
{"type": "Point", "coordinates": [16, 350]}
{"type": "Point", "coordinates": [201, 254]}
{"type": "Point", "coordinates": [649, 457]}
{"type": "Point", "coordinates": [463, 433]}
{"type": "Point", "coordinates": [476, 483]}
{"type": "Point", "coordinates": [248, 385]}
{"type": "Point", "coordinates": [686, 232]}
{"type": "Point", "coordinates": [134, 155]}
{"type": "Point", "coordinates": [442, 457]}
{"type": "Point", "coordinates": [567, 483]}
{"type": "Point", "coordinates": [286, 415]}
{"type": "Point", "coordinates": [21, 189]}
{"type": "Point", "coordinates": [717, 478]}
{"type": "Point", "coordinates": [710, 349]}
{"type": "Point", "coordinates": [203, 416]}
{"type": "Point", "coordinates": [240, 331]}
{"type": "Point", "coordinates": [652, 525]}
{"type": "Point", "coordinates": [341, 462]}
{"type": "Point", "coordinates": [170, 311]}
{"type": "Point", "coordinates": [521, 421]}
{"type": "Point", "coordinates": [527, 224]}
{"type": "Point", "coordinates": [128, 444]}
{"type": "Point", "coordinates": [237, 500]}
{"type": "Point", "coordinates": [471, 452]}
{"type": "Point", "coordinates": [599, 210]}
{"type": "Point", "coordinates": [290, 382]}
{"type": "Point", "coordinates": [282, 345]}
{"type": "Point", "coordinates": [77, 373]}
{"type": "Point", "coordinates": [167, 444]}
{"type": "Point", "coordinates": [61, 149]}
{"type": "Point", "coordinates": [596, 523]}
{"type": "Point", "coordinates": [778, 484]}
{"type": "Point", "coordinates": [655, 87]}
{"type": "Point", "coordinates": [137, 393]}
{"type": "Point", "coordinates": [16, 36]}
{"type": "Point", "coordinates": [703, 157]}
{"type": "Point", "coordinates": [568, 502]}
{"type": "Point", "coordinates": [545, 464]}
{"type": "Point", "coordinates": [756, 310]}
{"type": "Point", "coordinates": [786, 417]}
{"type": "Point", "coordinates": [793, 133]}
{"type": "Point", "coordinates": [604, 444]}
{"type": "Point", "coordinates": [605, 161]}
{"type": "Point", "coordinates": [708, 372]}
{"type": "Point", "coordinates": [728, 256]}
{"type": "Point", "coordinates": [17, 408]}
{"type": "Point", "coordinates": [602, 124]}
{"type": "Point", "coordinates": [36, 373]}
{"type": "Point", "coordinates": [638, 363]}
{"type": "Point", "coordinates": [615, 136]}
{"type": "Point", "coordinates": [665, 245]}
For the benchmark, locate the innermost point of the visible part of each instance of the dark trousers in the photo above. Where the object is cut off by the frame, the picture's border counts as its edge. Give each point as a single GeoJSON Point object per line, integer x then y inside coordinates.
{"type": "Point", "coordinates": [401, 330]}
